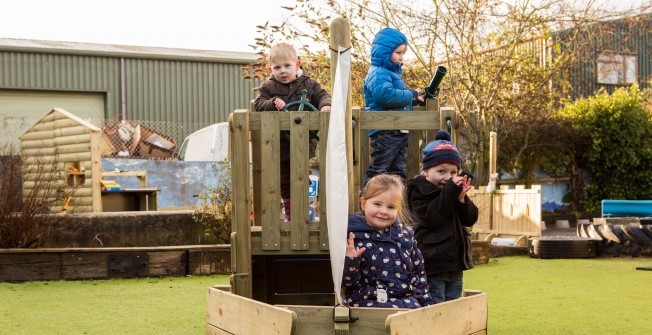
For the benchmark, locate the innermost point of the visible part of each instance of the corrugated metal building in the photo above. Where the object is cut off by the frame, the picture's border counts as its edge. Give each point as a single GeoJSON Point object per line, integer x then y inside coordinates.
{"type": "Point", "coordinates": [612, 54]}
{"type": "Point", "coordinates": [100, 82]}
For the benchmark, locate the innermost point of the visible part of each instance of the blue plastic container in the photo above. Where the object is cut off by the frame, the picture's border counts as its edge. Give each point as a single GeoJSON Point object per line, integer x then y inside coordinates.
{"type": "Point", "coordinates": [626, 208]}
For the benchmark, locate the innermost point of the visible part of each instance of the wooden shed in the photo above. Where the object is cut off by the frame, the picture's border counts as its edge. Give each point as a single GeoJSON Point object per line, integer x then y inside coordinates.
{"type": "Point", "coordinates": [61, 161]}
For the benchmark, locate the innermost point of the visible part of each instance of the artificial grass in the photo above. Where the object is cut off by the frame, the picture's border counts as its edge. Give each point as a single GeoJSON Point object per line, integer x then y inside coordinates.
{"type": "Point", "coordinates": [565, 296]}
{"type": "Point", "coordinates": [526, 296]}
{"type": "Point", "coordinates": [173, 305]}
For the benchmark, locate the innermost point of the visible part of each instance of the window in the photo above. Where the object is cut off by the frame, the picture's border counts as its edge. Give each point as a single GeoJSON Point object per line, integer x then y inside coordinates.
{"type": "Point", "coordinates": [75, 174]}
{"type": "Point", "coordinates": [617, 69]}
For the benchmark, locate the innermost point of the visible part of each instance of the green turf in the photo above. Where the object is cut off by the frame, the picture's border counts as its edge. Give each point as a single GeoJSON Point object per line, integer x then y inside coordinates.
{"type": "Point", "coordinates": [566, 296]}
{"type": "Point", "coordinates": [118, 306]}
{"type": "Point", "coordinates": [526, 296]}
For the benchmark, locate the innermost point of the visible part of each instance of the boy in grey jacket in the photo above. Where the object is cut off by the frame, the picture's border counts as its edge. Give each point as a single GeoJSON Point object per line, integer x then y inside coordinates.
{"type": "Point", "coordinates": [285, 85]}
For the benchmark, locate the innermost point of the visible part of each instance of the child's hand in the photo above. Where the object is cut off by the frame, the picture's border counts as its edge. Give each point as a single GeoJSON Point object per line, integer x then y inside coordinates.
{"type": "Point", "coordinates": [422, 95]}
{"type": "Point", "coordinates": [279, 103]}
{"type": "Point", "coordinates": [465, 185]}
{"type": "Point", "coordinates": [350, 248]}
{"type": "Point", "coordinates": [326, 109]}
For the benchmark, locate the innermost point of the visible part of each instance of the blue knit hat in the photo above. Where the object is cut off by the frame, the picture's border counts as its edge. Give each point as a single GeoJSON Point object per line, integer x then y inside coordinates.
{"type": "Point", "coordinates": [440, 151]}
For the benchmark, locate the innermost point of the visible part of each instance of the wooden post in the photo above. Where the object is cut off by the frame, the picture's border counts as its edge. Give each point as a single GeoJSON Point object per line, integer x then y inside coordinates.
{"type": "Point", "coordinates": [448, 114]}
{"type": "Point", "coordinates": [493, 152]}
{"type": "Point", "coordinates": [493, 156]}
{"type": "Point", "coordinates": [341, 37]}
{"type": "Point", "coordinates": [240, 225]}
{"type": "Point", "coordinates": [96, 172]}
{"type": "Point", "coordinates": [432, 105]}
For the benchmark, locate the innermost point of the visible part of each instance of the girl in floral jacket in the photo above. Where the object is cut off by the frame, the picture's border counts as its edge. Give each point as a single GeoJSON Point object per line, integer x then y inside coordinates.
{"type": "Point", "coordinates": [383, 266]}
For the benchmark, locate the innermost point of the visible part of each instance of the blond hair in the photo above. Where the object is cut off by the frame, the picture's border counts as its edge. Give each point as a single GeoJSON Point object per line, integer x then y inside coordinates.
{"type": "Point", "coordinates": [282, 51]}
{"type": "Point", "coordinates": [384, 182]}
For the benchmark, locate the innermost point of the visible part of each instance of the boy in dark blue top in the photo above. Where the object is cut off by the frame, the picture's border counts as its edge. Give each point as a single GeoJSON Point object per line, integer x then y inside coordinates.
{"type": "Point", "coordinates": [384, 89]}
{"type": "Point", "coordinates": [442, 212]}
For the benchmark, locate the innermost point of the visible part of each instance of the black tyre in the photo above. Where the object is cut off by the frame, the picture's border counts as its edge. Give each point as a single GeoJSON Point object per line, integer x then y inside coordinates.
{"type": "Point", "coordinates": [648, 229]}
{"type": "Point", "coordinates": [562, 247]}
{"type": "Point", "coordinates": [581, 230]}
{"type": "Point", "coordinates": [607, 232]}
{"type": "Point", "coordinates": [593, 232]}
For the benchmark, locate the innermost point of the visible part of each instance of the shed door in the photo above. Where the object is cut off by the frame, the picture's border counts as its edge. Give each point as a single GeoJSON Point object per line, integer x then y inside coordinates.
{"type": "Point", "coordinates": [20, 109]}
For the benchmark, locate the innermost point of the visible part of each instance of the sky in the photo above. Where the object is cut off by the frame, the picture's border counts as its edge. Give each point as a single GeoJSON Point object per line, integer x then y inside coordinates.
{"type": "Point", "coordinates": [223, 25]}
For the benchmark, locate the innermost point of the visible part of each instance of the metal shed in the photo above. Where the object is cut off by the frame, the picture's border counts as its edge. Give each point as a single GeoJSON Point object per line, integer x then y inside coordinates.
{"type": "Point", "coordinates": [100, 82]}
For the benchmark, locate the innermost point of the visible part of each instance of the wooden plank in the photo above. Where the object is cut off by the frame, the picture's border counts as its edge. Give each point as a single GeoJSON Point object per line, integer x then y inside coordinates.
{"type": "Point", "coordinates": [242, 316]}
{"type": "Point", "coordinates": [120, 249]}
{"type": "Point", "coordinates": [73, 139]}
{"type": "Point", "coordinates": [318, 320]}
{"type": "Point", "coordinates": [299, 180]}
{"type": "Point", "coordinates": [167, 263]}
{"type": "Point", "coordinates": [39, 152]}
{"type": "Point", "coordinates": [256, 171]}
{"type": "Point", "coordinates": [75, 148]}
{"type": "Point", "coordinates": [240, 193]}
{"type": "Point", "coordinates": [314, 246]}
{"type": "Point", "coordinates": [284, 119]}
{"type": "Point", "coordinates": [212, 330]}
{"type": "Point", "coordinates": [141, 175]}
{"type": "Point", "coordinates": [74, 157]}
{"type": "Point", "coordinates": [204, 262]}
{"type": "Point", "coordinates": [358, 137]}
{"type": "Point", "coordinates": [35, 144]}
{"type": "Point", "coordinates": [323, 217]}
{"type": "Point", "coordinates": [84, 265]}
{"type": "Point", "coordinates": [507, 232]}
{"type": "Point", "coordinates": [467, 315]}
{"type": "Point", "coordinates": [27, 267]}
{"type": "Point", "coordinates": [414, 154]}
{"type": "Point", "coordinates": [384, 120]}
{"type": "Point", "coordinates": [65, 123]}
{"type": "Point", "coordinates": [270, 184]}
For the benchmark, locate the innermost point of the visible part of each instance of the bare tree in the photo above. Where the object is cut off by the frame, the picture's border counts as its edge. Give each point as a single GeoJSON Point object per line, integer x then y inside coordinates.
{"type": "Point", "coordinates": [508, 66]}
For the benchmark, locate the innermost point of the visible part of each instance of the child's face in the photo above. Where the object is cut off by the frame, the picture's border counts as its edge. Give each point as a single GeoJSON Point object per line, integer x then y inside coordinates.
{"type": "Point", "coordinates": [285, 70]}
{"type": "Point", "coordinates": [380, 211]}
{"type": "Point", "coordinates": [397, 55]}
{"type": "Point", "coordinates": [440, 174]}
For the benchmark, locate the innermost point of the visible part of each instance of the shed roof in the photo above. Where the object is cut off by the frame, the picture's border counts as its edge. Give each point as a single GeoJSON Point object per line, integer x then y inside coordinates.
{"type": "Point", "coordinates": [67, 114]}
{"type": "Point", "coordinates": [93, 49]}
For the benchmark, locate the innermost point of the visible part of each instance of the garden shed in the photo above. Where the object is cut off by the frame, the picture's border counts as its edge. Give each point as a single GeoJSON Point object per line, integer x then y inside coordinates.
{"type": "Point", "coordinates": [62, 162]}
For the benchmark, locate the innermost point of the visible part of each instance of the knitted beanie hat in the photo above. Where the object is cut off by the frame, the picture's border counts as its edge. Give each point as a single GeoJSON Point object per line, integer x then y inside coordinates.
{"type": "Point", "coordinates": [440, 151]}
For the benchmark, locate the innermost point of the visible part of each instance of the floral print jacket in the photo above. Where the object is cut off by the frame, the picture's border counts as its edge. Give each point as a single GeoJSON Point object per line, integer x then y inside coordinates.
{"type": "Point", "coordinates": [390, 273]}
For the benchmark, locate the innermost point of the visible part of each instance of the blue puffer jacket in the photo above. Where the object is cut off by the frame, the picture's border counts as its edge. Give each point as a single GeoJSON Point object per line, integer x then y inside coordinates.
{"type": "Point", "coordinates": [384, 88]}
{"type": "Point", "coordinates": [392, 262]}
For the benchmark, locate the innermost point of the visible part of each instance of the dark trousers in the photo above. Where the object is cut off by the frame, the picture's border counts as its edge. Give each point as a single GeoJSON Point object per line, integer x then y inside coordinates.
{"type": "Point", "coordinates": [389, 150]}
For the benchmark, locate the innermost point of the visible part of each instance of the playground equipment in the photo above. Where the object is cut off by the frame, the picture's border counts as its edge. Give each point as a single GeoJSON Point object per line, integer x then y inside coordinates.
{"type": "Point", "coordinates": [281, 281]}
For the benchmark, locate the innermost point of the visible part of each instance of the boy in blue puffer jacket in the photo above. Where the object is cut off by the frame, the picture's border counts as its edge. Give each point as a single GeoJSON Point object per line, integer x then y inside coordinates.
{"type": "Point", "coordinates": [384, 89]}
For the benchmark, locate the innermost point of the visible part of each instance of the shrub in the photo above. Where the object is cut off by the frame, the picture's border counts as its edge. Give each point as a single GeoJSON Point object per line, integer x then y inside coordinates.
{"type": "Point", "coordinates": [612, 144]}
{"type": "Point", "coordinates": [20, 226]}
{"type": "Point", "coordinates": [215, 210]}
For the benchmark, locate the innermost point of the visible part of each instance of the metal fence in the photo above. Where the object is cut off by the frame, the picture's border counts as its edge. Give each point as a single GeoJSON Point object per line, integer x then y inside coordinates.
{"type": "Point", "coordinates": [145, 139]}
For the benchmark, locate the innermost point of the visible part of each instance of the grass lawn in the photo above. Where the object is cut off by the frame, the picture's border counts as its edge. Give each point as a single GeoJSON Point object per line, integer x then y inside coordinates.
{"type": "Point", "coordinates": [526, 296]}
{"type": "Point", "coordinates": [566, 296]}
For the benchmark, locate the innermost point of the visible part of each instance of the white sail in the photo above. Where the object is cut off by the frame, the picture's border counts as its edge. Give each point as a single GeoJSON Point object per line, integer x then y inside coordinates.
{"type": "Point", "coordinates": [337, 191]}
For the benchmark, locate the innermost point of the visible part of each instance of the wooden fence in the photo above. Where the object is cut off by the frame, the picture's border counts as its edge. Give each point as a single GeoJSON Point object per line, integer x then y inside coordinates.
{"type": "Point", "coordinates": [508, 212]}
